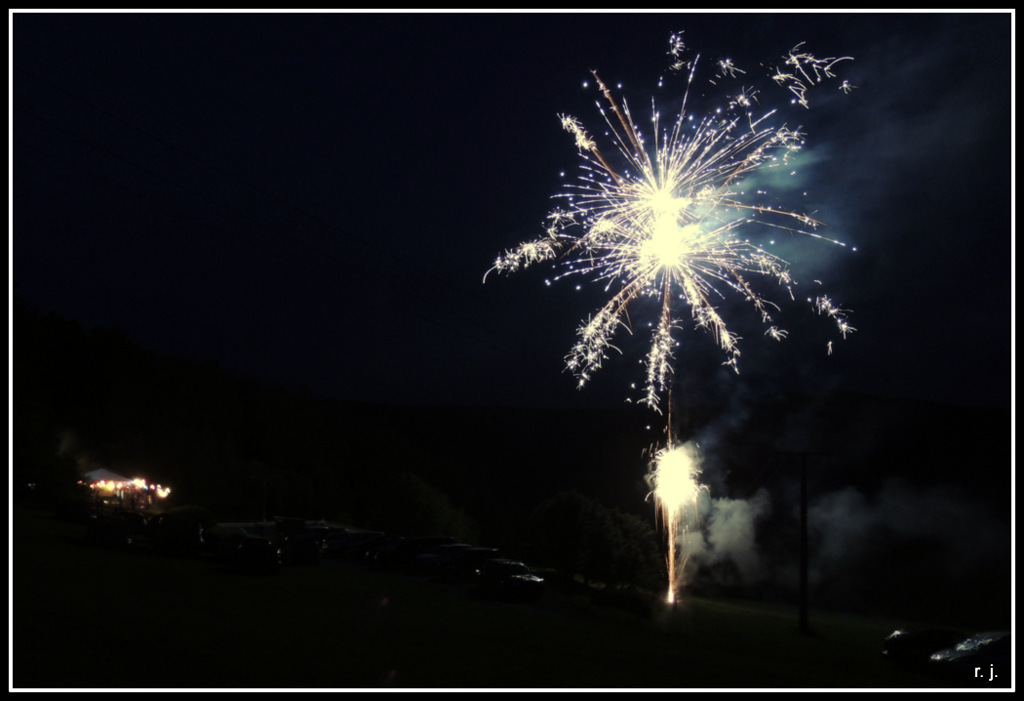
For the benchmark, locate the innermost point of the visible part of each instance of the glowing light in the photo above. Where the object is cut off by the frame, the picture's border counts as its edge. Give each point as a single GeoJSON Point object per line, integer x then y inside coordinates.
{"type": "Point", "coordinates": [136, 484]}
{"type": "Point", "coordinates": [664, 223]}
{"type": "Point", "coordinates": [677, 494]}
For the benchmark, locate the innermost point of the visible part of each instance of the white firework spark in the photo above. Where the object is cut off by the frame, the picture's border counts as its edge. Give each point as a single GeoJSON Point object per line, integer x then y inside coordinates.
{"type": "Point", "coordinates": [677, 494]}
{"type": "Point", "coordinates": [670, 223]}
{"type": "Point", "coordinates": [803, 70]}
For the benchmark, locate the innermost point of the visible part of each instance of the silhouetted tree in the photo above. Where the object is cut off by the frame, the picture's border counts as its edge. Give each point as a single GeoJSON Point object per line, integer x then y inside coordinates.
{"type": "Point", "coordinates": [578, 535]}
{"type": "Point", "coordinates": [415, 507]}
{"type": "Point", "coordinates": [638, 561]}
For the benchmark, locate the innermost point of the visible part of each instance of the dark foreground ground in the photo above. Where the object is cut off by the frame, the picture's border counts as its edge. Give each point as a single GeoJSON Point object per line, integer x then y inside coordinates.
{"type": "Point", "coordinates": [91, 618]}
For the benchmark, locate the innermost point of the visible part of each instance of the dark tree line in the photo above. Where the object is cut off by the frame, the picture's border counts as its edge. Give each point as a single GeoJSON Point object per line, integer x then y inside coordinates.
{"type": "Point", "coordinates": [564, 489]}
{"type": "Point", "coordinates": [579, 535]}
{"type": "Point", "coordinates": [240, 447]}
{"type": "Point", "coordinates": [243, 449]}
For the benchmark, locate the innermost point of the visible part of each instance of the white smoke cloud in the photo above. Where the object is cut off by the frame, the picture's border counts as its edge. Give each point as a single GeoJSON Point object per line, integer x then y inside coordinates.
{"type": "Point", "coordinates": [728, 536]}
{"type": "Point", "coordinates": [71, 447]}
{"type": "Point", "coordinates": [731, 533]}
{"type": "Point", "coordinates": [841, 524]}
{"type": "Point", "coordinates": [847, 526]}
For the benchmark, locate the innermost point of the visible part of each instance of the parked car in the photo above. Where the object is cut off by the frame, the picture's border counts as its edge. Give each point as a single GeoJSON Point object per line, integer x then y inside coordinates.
{"type": "Point", "coordinates": [301, 549]}
{"type": "Point", "coordinates": [399, 554]}
{"type": "Point", "coordinates": [317, 531]}
{"type": "Point", "coordinates": [461, 565]}
{"type": "Point", "coordinates": [372, 551]}
{"type": "Point", "coordinates": [254, 555]}
{"type": "Point", "coordinates": [508, 580]}
{"type": "Point", "coordinates": [980, 659]}
{"type": "Point", "coordinates": [913, 646]}
{"type": "Point", "coordinates": [350, 545]}
{"type": "Point", "coordinates": [333, 541]}
{"type": "Point", "coordinates": [431, 561]}
{"type": "Point", "coordinates": [220, 542]}
{"type": "Point", "coordinates": [119, 530]}
{"type": "Point", "coordinates": [176, 535]}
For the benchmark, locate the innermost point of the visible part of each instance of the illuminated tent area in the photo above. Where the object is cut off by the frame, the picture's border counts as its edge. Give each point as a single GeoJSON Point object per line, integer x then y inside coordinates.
{"type": "Point", "coordinates": [112, 490]}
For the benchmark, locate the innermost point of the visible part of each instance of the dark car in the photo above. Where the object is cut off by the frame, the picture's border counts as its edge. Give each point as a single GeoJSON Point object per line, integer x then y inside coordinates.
{"type": "Point", "coordinates": [220, 542]}
{"type": "Point", "coordinates": [508, 580]}
{"type": "Point", "coordinates": [399, 554]}
{"type": "Point", "coordinates": [254, 555]}
{"type": "Point", "coordinates": [461, 565]}
{"type": "Point", "coordinates": [432, 560]}
{"type": "Point", "coordinates": [301, 549]}
{"type": "Point", "coordinates": [176, 535]}
{"type": "Point", "coordinates": [351, 546]}
{"type": "Point", "coordinates": [913, 646]}
{"type": "Point", "coordinates": [980, 660]}
{"type": "Point", "coordinates": [119, 531]}
{"type": "Point", "coordinates": [333, 541]}
{"type": "Point", "coordinates": [318, 532]}
{"type": "Point", "coordinates": [372, 551]}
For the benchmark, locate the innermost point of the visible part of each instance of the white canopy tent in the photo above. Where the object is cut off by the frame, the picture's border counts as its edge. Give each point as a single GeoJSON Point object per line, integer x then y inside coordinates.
{"type": "Point", "coordinates": [102, 474]}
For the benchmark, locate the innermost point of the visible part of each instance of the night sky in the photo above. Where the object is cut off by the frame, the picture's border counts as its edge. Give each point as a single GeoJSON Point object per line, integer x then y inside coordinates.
{"type": "Point", "coordinates": [313, 199]}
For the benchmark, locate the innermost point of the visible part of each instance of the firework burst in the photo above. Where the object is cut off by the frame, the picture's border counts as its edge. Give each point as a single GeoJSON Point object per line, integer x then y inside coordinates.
{"type": "Point", "coordinates": [671, 220]}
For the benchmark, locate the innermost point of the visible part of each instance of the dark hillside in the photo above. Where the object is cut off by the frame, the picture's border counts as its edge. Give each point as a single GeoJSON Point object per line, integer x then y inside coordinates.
{"type": "Point", "coordinates": [899, 491]}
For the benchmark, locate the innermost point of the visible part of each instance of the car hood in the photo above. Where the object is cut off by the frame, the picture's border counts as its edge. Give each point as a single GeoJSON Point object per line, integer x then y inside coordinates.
{"type": "Point", "coordinates": [971, 646]}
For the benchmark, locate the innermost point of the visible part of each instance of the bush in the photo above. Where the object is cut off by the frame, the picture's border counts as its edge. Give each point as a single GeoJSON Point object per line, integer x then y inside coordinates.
{"type": "Point", "coordinates": [417, 508]}
{"type": "Point", "coordinates": [579, 535]}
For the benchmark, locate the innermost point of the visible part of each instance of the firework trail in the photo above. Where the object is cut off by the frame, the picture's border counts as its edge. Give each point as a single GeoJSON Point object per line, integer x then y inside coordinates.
{"type": "Point", "coordinates": [677, 496]}
{"type": "Point", "coordinates": [671, 222]}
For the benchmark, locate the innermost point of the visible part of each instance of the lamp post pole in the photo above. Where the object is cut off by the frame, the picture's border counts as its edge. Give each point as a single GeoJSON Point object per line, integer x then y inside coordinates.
{"type": "Point", "coordinates": [805, 625]}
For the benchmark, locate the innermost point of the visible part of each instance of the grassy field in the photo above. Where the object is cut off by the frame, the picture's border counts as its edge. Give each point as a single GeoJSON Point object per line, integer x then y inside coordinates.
{"type": "Point", "coordinates": [85, 617]}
